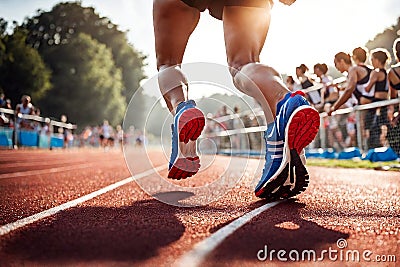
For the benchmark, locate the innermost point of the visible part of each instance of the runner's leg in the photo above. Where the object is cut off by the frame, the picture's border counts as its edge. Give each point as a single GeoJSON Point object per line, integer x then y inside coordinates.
{"type": "Point", "coordinates": [173, 21]}
{"type": "Point", "coordinates": [245, 31]}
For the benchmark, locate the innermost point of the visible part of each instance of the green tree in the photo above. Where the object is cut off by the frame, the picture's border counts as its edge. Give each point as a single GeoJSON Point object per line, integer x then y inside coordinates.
{"type": "Point", "coordinates": [88, 85]}
{"type": "Point", "coordinates": [3, 27]}
{"type": "Point", "coordinates": [22, 68]}
{"type": "Point", "coordinates": [65, 20]}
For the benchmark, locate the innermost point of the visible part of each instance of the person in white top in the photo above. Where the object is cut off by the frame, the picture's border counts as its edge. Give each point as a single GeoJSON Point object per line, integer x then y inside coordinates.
{"type": "Point", "coordinates": [24, 108]}
{"type": "Point", "coordinates": [106, 138]}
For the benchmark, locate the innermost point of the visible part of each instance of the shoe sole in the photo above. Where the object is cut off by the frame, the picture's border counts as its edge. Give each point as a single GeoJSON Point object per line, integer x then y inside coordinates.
{"type": "Point", "coordinates": [190, 125]}
{"type": "Point", "coordinates": [303, 126]}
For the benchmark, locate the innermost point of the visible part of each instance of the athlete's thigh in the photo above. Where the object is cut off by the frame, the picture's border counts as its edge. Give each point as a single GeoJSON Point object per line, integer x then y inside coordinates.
{"type": "Point", "coordinates": [173, 23]}
{"type": "Point", "coordinates": [245, 31]}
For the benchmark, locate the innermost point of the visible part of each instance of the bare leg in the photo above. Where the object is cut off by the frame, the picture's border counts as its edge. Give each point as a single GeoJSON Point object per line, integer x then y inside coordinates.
{"type": "Point", "coordinates": [245, 30]}
{"type": "Point", "coordinates": [173, 22]}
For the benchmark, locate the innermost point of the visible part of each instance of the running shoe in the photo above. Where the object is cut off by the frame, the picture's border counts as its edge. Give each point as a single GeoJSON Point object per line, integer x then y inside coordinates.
{"type": "Point", "coordinates": [295, 126]}
{"type": "Point", "coordinates": [188, 124]}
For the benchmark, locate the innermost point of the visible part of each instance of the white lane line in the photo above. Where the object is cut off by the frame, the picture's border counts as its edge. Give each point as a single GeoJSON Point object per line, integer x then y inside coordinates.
{"type": "Point", "coordinates": [45, 171]}
{"type": "Point", "coordinates": [5, 229]}
{"type": "Point", "coordinates": [43, 162]}
{"type": "Point", "coordinates": [200, 251]}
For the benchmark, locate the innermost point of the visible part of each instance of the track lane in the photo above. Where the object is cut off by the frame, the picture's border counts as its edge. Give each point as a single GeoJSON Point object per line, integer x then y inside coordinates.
{"type": "Point", "coordinates": [126, 227]}
{"type": "Point", "coordinates": [25, 195]}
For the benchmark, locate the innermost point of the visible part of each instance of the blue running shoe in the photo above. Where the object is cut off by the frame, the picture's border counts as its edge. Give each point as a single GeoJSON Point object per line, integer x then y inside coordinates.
{"type": "Point", "coordinates": [188, 124]}
{"type": "Point", "coordinates": [295, 126]}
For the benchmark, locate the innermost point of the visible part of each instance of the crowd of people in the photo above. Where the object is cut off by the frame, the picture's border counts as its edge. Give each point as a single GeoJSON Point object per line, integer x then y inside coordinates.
{"type": "Point", "coordinates": [365, 84]}
{"type": "Point", "coordinates": [224, 120]}
{"type": "Point", "coordinates": [104, 136]}
{"type": "Point", "coordinates": [16, 119]}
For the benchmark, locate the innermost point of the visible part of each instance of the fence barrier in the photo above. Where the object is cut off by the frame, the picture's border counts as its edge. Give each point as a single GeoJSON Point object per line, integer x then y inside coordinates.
{"type": "Point", "coordinates": [349, 132]}
{"type": "Point", "coordinates": [31, 130]}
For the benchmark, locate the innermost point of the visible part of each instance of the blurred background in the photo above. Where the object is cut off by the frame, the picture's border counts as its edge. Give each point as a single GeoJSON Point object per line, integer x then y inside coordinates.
{"type": "Point", "coordinates": [80, 62]}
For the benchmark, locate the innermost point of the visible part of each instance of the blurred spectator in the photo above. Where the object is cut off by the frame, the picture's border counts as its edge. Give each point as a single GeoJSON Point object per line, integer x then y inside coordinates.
{"type": "Point", "coordinates": [291, 84]}
{"type": "Point", "coordinates": [236, 124]}
{"type": "Point", "coordinates": [394, 81]}
{"type": "Point", "coordinates": [351, 129]}
{"type": "Point", "coordinates": [225, 124]}
{"type": "Point", "coordinates": [329, 93]}
{"type": "Point", "coordinates": [6, 119]}
{"type": "Point", "coordinates": [68, 138]}
{"type": "Point", "coordinates": [254, 138]}
{"type": "Point", "coordinates": [106, 135]}
{"type": "Point", "coordinates": [378, 82]}
{"type": "Point", "coordinates": [210, 128]}
{"type": "Point", "coordinates": [314, 96]}
{"type": "Point", "coordinates": [335, 124]}
{"type": "Point", "coordinates": [95, 137]}
{"type": "Point", "coordinates": [24, 108]}
{"type": "Point", "coordinates": [130, 135]}
{"type": "Point", "coordinates": [378, 77]}
{"type": "Point", "coordinates": [85, 136]}
{"type": "Point", "coordinates": [120, 136]}
{"type": "Point", "coordinates": [140, 139]}
{"type": "Point", "coordinates": [46, 129]}
{"type": "Point", "coordinates": [2, 100]}
{"type": "Point", "coordinates": [8, 104]}
{"type": "Point", "coordinates": [393, 110]}
{"type": "Point", "coordinates": [359, 56]}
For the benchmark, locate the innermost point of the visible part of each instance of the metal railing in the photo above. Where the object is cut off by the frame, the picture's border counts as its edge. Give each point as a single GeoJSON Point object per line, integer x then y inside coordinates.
{"type": "Point", "coordinates": [12, 128]}
{"type": "Point", "coordinates": [358, 110]}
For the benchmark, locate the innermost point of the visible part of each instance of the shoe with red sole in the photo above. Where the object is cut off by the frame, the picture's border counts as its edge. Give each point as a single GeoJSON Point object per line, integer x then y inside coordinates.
{"type": "Point", "coordinates": [188, 124]}
{"type": "Point", "coordinates": [295, 127]}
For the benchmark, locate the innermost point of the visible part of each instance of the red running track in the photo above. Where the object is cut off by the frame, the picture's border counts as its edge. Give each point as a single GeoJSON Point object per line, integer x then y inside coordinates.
{"type": "Point", "coordinates": [126, 227]}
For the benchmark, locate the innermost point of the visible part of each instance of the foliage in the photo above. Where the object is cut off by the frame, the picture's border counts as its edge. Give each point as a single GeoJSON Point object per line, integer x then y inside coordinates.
{"type": "Point", "coordinates": [66, 20]}
{"type": "Point", "coordinates": [59, 27]}
{"type": "Point", "coordinates": [22, 68]}
{"type": "Point", "coordinates": [88, 84]}
{"type": "Point", "coordinates": [3, 27]}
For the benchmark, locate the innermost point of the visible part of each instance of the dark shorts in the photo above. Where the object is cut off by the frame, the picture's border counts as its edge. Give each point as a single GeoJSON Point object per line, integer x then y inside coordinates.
{"type": "Point", "coordinates": [216, 7]}
{"type": "Point", "coordinates": [358, 95]}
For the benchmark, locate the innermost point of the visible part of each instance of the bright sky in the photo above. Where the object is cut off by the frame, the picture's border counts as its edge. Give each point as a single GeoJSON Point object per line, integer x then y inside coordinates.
{"type": "Point", "coordinates": [309, 31]}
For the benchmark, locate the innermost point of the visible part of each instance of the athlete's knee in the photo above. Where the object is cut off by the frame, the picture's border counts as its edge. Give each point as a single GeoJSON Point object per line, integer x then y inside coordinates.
{"type": "Point", "coordinates": [253, 71]}
{"type": "Point", "coordinates": [236, 66]}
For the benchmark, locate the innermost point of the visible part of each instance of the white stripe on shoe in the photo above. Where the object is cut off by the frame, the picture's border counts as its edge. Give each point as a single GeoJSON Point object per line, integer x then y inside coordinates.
{"type": "Point", "coordinates": [275, 149]}
{"type": "Point", "coordinates": [275, 143]}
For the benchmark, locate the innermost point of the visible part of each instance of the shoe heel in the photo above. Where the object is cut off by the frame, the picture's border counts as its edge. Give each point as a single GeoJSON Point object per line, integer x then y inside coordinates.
{"type": "Point", "coordinates": [303, 128]}
{"type": "Point", "coordinates": [191, 124]}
